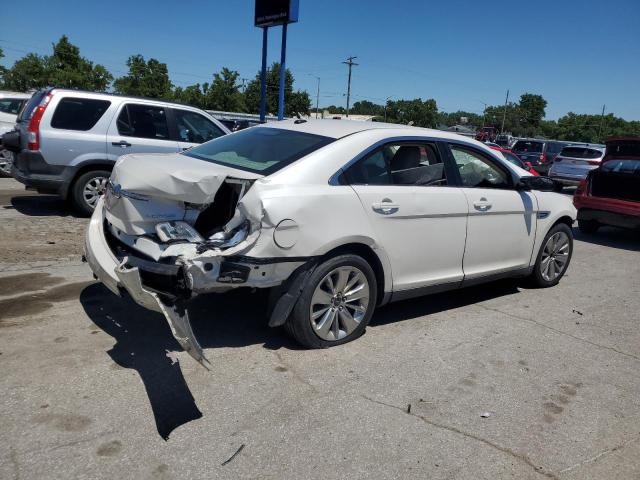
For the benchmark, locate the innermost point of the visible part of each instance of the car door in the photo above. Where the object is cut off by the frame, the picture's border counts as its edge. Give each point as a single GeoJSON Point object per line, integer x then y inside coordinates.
{"type": "Point", "coordinates": [501, 226]}
{"type": "Point", "coordinates": [140, 128]}
{"type": "Point", "coordinates": [419, 219]}
{"type": "Point", "coordinates": [193, 128]}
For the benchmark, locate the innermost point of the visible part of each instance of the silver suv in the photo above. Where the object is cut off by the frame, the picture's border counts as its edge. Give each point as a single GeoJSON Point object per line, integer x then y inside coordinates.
{"type": "Point", "coordinates": [67, 141]}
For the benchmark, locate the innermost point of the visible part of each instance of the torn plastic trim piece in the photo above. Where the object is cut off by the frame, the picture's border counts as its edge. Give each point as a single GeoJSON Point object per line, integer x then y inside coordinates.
{"type": "Point", "coordinates": [178, 318]}
{"type": "Point", "coordinates": [292, 289]}
{"type": "Point", "coordinates": [174, 311]}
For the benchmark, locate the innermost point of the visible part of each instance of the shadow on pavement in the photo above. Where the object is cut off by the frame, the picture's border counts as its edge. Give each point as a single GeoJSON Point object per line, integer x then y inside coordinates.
{"type": "Point", "coordinates": [143, 339]}
{"type": "Point", "coordinates": [611, 237]}
{"type": "Point", "coordinates": [430, 304]}
{"type": "Point", "coordinates": [41, 206]}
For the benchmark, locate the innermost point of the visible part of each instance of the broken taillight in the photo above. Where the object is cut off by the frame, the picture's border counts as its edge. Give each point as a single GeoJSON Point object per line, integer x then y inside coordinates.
{"type": "Point", "coordinates": [33, 128]}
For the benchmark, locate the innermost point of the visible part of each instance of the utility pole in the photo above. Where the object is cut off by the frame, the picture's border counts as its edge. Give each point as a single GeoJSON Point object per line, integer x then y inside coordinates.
{"type": "Point", "coordinates": [351, 63]}
{"type": "Point", "coordinates": [601, 123]}
{"type": "Point", "coordinates": [317, 94]}
{"type": "Point", "coordinates": [386, 100]}
{"type": "Point", "coordinates": [504, 114]}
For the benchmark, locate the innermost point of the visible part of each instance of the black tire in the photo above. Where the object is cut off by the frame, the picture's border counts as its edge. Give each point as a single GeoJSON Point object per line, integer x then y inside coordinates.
{"type": "Point", "coordinates": [78, 201]}
{"type": "Point", "coordinates": [588, 226]}
{"type": "Point", "coordinates": [536, 278]}
{"type": "Point", "coordinates": [299, 323]}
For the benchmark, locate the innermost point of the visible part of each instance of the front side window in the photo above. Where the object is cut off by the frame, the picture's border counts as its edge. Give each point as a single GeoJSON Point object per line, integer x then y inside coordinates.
{"type": "Point", "coordinates": [511, 158]}
{"type": "Point", "coordinates": [262, 150]}
{"type": "Point", "coordinates": [478, 171]}
{"type": "Point", "coordinates": [11, 105]}
{"type": "Point", "coordinates": [78, 113]}
{"type": "Point", "coordinates": [400, 164]}
{"type": "Point", "coordinates": [143, 121]}
{"type": "Point", "coordinates": [194, 128]}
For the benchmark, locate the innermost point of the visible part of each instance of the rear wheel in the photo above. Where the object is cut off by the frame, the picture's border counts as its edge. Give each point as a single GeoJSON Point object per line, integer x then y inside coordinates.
{"type": "Point", "coordinates": [336, 304]}
{"type": "Point", "coordinates": [588, 226]}
{"type": "Point", "coordinates": [87, 189]}
{"type": "Point", "coordinates": [6, 162]}
{"type": "Point", "coordinates": [554, 256]}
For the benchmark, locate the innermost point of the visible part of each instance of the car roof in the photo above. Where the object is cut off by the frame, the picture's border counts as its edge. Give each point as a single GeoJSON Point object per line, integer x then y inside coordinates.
{"type": "Point", "coordinates": [341, 128]}
{"type": "Point", "coordinates": [20, 95]}
{"type": "Point", "coordinates": [118, 95]}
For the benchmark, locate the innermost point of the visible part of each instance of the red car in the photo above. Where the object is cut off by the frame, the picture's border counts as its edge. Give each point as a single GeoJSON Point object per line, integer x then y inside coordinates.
{"type": "Point", "coordinates": [610, 195]}
{"type": "Point", "coordinates": [512, 158]}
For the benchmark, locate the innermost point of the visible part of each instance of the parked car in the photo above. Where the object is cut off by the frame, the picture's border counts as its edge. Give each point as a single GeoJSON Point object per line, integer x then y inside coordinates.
{"type": "Point", "coordinates": [540, 153]}
{"type": "Point", "coordinates": [610, 195]}
{"type": "Point", "coordinates": [10, 105]}
{"type": "Point", "coordinates": [487, 134]}
{"type": "Point", "coordinates": [337, 217]}
{"type": "Point", "coordinates": [67, 141]}
{"type": "Point", "coordinates": [573, 163]}
{"type": "Point", "coordinates": [514, 160]}
{"type": "Point", "coordinates": [241, 124]}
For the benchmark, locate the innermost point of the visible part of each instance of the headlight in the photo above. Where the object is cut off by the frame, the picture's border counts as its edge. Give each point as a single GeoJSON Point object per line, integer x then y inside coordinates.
{"type": "Point", "coordinates": [173, 231]}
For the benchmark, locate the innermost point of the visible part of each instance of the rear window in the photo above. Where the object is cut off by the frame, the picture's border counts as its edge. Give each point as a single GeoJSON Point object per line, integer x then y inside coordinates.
{"type": "Point", "coordinates": [259, 150]}
{"type": "Point", "coordinates": [554, 147]}
{"type": "Point", "coordinates": [511, 158]}
{"type": "Point", "coordinates": [527, 146]}
{"type": "Point", "coordinates": [78, 113]}
{"type": "Point", "coordinates": [34, 101]}
{"type": "Point", "coordinates": [631, 167]}
{"type": "Point", "coordinates": [580, 152]}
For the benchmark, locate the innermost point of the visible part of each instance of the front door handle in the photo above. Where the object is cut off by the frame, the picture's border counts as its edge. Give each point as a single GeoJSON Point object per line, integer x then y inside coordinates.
{"type": "Point", "coordinates": [482, 205]}
{"type": "Point", "coordinates": [121, 144]}
{"type": "Point", "coordinates": [386, 207]}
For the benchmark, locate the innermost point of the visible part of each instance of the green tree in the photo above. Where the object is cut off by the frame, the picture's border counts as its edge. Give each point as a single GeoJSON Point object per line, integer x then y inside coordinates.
{"type": "Point", "coordinates": [418, 112]}
{"type": "Point", "coordinates": [64, 68]}
{"type": "Point", "coordinates": [145, 78]}
{"type": "Point", "coordinates": [2, 68]}
{"type": "Point", "coordinates": [453, 118]}
{"type": "Point", "coordinates": [193, 95]}
{"type": "Point", "coordinates": [531, 109]}
{"type": "Point", "coordinates": [224, 93]}
{"type": "Point", "coordinates": [295, 102]}
{"type": "Point", "coordinates": [365, 107]}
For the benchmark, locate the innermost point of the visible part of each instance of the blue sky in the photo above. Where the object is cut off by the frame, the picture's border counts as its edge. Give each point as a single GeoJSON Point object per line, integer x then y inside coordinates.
{"type": "Point", "coordinates": [578, 54]}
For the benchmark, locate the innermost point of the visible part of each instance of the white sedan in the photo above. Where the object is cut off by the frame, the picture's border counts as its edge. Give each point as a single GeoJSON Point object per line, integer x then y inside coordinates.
{"type": "Point", "coordinates": [336, 217]}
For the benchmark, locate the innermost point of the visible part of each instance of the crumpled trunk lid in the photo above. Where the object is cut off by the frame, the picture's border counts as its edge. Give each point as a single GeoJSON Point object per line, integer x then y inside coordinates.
{"type": "Point", "coordinates": [146, 189]}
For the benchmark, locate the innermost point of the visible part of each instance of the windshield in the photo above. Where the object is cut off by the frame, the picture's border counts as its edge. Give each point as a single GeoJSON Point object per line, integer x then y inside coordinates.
{"type": "Point", "coordinates": [581, 152]}
{"type": "Point", "coordinates": [526, 146]}
{"type": "Point", "coordinates": [259, 150]}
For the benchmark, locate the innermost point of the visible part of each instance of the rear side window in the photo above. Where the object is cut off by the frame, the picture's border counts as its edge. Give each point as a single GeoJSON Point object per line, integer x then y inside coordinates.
{"type": "Point", "coordinates": [78, 113]}
{"type": "Point", "coordinates": [143, 121]}
{"type": "Point", "coordinates": [527, 146]}
{"type": "Point", "coordinates": [11, 105]}
{"type": "Point", "coordinates": [581, 152]}
{"type": "Point", "coordinates": [631, 167]}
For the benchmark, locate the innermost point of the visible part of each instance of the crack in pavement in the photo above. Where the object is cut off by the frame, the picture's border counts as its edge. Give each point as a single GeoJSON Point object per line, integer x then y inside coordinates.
{"type": "Point", "coordinates": [595, 458]}
{"type": "Point", "coordinates": [522, 458]}
{"type": "Point", "coordinates": [558, 331]}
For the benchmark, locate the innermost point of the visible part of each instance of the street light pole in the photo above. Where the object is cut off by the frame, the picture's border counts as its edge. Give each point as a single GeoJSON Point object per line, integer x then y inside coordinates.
{"type": "Point", "coordinates": [351, 63]}
{"type": "Point", "coordinates": [504, 114]}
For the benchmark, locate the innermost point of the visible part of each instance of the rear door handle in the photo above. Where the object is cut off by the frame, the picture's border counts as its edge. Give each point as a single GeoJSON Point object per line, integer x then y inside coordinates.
{"type": "Point", "coordinates": [121, 143]}
{"type": "Point", "coordinates": [386, 207]}
{"type": "Point", "coordinates": [482, 205]}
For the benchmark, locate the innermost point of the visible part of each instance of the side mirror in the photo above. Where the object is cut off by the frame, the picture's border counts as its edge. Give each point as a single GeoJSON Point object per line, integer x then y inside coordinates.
{"type": "Point", "coordinates": [543, 184]}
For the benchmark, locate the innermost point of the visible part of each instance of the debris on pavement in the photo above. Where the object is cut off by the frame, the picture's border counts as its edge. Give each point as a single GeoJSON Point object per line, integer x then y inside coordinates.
{"type": "Point", "coordinates": [485, 414]}
{"type": "Point", "coordinates": [577, 311]}
{"type": "Point", "coordinates": [228, 460]}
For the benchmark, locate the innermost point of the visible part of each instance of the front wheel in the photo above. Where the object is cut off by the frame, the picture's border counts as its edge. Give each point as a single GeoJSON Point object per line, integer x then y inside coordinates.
{"type": "Point", "coordinates": [554, 256]}
{"type": "Point", "coordinates": [87, 190]}
{"type": "Point", "coordinates": [336, 304]}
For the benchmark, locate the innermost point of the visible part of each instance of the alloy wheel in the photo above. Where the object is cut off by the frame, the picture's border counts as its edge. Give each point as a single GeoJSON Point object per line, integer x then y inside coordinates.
{"type": "Point", "coordinates": [555, 256]}
{"type": "Point", "coordinates": [339, 303]}
{"type": "Point", "coordinates": [6, 161]}
{"type": "Point", "coordinates": [92, 190]}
